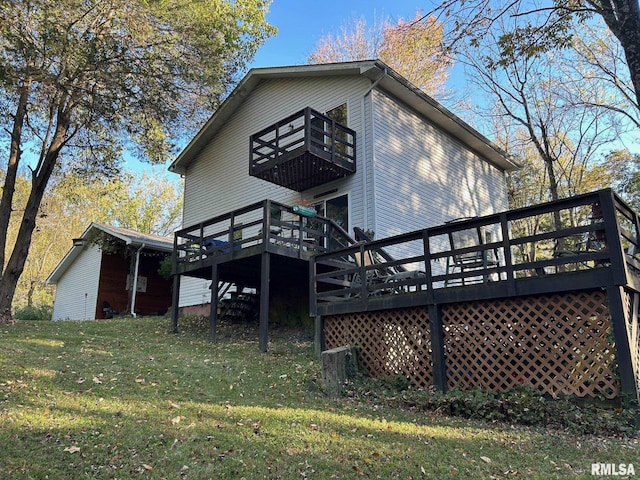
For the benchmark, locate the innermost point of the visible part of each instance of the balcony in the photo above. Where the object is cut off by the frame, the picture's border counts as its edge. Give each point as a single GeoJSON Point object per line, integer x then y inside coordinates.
{"type": "Point", "coordinates": [302, 151]}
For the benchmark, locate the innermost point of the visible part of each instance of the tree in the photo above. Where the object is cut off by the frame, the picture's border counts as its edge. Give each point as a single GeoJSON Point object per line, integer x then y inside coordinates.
{"type": "Point", "coordinates": [545, 112]}
{"type": "Point", "coordinates": [87, 79]}
{"type": "Point", "coordinates": [622, 169]}
{"type": "Point", "coordinates": [144, 202]}
{"type": "Point", "coordinates": [413, 49]}
{"type": "Point", "coordinates": [535, 33]}
{"type": "Point", "coordinates": [147, 203]}
{"type": "Point", "coordinates": [550, 99]}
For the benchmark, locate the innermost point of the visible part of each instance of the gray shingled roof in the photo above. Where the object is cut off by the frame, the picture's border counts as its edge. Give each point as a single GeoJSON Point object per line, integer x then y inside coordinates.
{"type": "Point", "coordinates": [128, 236]}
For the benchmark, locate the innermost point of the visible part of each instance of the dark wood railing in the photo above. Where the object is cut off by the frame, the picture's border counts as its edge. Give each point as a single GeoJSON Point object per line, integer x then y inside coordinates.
{"type": "Point", "coordinates": [593, 237]}
{"type": "Point", "coordinates": [278, 152]}
{"type": "Point", "coordinates": [288, 230]}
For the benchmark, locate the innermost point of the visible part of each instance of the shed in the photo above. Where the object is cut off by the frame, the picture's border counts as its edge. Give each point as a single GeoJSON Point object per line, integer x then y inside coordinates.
{"type": "Point", "coordinates": [111, 270]}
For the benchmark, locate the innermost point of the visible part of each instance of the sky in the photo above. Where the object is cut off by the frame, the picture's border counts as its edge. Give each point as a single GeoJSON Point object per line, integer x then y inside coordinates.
{"type": "Point", "coordinates": [301, 23]}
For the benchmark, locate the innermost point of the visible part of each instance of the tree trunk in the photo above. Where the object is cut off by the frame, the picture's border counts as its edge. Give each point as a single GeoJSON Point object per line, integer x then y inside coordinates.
{"type": "Point", "coordinates": [18, 258]}
{"type": "Point", "coordinates": [9, 186]}
{"type": "Point", "coordinates": [623, 19]}
{"type": "Point", "coordinates": [32, 288]}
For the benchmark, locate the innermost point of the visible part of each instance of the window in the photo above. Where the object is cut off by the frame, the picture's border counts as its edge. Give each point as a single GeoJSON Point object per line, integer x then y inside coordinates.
{"type": "Point", "coordinates": [339, 114]}
{"type": "Point", "coordinates": [322, 130]}
{"type": "Point", "coordinates": [337, 209]}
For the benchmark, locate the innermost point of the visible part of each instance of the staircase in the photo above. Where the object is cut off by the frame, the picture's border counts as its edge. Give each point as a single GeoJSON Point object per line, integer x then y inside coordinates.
{"type": "Point", "coordinates": [239, 305]}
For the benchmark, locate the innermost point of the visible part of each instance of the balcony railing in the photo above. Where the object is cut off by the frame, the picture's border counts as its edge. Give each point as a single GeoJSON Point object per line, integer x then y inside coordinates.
{"type": "Point", "coordinates": [292, 231]}
{"type": "Point", "coordinates": [593, 237]}
{"type": "Point", "coordinates": [303, 150]}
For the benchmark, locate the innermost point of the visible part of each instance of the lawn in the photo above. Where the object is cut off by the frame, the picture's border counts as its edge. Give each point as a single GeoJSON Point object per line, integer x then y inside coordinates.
{"type": "Point", "coordinates": [126, 399]}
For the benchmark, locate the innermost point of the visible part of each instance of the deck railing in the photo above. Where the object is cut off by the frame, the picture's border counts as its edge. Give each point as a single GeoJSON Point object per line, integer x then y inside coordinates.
{"type": "Point", "coordinates": [595, 234]}
{"type": "Point", "coordinates": [303, 150]}
{"type": "Point", "coordinates": [309, 129]}
{"type": "Point", "coordinates": [289, 230]}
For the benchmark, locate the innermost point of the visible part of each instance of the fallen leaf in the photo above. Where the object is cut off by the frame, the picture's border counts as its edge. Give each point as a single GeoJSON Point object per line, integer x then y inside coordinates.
{"type": "Point", "coordinates": [485, 459]}
{"type": "Point", "coordinates": [177, 420]}
{"type": "Point", "coordinates": [147, 467]}
{"type": "Point", "coordinates": [73, 449]}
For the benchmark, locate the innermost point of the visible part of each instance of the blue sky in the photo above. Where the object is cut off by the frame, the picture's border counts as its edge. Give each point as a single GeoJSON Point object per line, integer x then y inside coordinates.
{"type": "Point", "coordinates": [301, 23]}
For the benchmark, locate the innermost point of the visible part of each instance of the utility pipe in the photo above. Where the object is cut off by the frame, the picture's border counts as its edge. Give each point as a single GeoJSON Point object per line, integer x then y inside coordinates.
{"type": "Point", "coordinates": [135, 282]}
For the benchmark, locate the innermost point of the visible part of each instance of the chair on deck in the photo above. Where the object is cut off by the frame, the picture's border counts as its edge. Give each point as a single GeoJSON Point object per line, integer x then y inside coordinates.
{"type": "Point", "coordinates": [592, 241]}
{"type": "Point", "coordinates": [475, 260]}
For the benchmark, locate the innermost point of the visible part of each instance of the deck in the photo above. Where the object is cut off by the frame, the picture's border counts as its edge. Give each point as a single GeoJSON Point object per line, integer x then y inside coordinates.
{"type": "Point", "coordinates": [587, 241]}
{"type": "Point", "coordinates": [236, 240]}
{"type": "Point", "coordinates": [303, 150]}
{"type": "Point", "coordinates": [265, 245]}
{"type": "Point", "coordinates": [546, 295]}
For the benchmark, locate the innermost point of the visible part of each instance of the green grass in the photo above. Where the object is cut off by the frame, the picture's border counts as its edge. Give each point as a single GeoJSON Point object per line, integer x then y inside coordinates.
{"type": "Point", "coordinates": [127, 399]}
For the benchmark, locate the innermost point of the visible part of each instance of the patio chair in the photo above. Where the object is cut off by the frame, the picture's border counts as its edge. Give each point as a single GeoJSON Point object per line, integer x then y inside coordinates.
{"type": "Point", "coordinates": [109, 312]}
{"type": "Point", "coordinates": [475, 260]}
{"type": "Point", "coordinates": [592, 241]}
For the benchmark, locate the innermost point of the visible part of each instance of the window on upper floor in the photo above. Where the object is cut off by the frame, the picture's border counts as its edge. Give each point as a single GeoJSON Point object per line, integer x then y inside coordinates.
{"type": "Point", "coordinates": [339, 115]}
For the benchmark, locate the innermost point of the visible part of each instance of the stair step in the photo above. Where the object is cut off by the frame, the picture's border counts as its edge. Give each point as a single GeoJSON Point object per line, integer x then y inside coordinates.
{"type": "Point", "coordinates": [240, 306]}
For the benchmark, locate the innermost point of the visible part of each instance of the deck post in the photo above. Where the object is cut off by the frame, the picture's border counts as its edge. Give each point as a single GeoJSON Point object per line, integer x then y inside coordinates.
{"type": "Point", "coordinates": [628, 387]}
{"type": "Point", "coordinates": [437, 348]}
{"type": "Point", "coordinates": [264, 301]}
{"type": "Point", "coordinates": [213, 314]}
{"type": "Point", "coordinates": [318, 341]}
{"type": "Point", "coordinates": [175, 294]}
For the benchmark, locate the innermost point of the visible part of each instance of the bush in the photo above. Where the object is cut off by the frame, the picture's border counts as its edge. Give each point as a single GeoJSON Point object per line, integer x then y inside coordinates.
{"type": "Point", "coordinates": [526, 407]}
{"type": "Point", "coordinates": [34, 312]}
{"type": "Point", "coordinates": [522, 406]}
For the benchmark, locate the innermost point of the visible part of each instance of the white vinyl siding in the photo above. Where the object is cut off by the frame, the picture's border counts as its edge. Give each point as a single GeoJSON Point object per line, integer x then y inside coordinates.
{"type": "Point", "coordinates": [218, 181]}
{"type": "Point", "coordinates": [77, 289]}
{"type": "Point", "coordinates": [424, 177]}
{"type": "Point", "coordinates": [194, 291]}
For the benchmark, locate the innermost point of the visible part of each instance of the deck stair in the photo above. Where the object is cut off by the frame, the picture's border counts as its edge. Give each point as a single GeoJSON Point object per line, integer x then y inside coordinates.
{"type": "Point", "coordinates": [239, 305]}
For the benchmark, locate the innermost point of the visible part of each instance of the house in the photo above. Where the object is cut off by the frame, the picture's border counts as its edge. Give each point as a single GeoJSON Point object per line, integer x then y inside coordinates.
{"type": "Point", "coordinates": [381, 155]}
{"type": "Point", "coordinates": [111, 270]}
{"type": "Point", "coordinates": [286, 182]}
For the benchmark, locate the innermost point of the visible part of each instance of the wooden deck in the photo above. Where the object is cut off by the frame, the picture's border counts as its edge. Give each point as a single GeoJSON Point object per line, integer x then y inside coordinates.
{"type": "Point", "coordinates": [548, 295]}
{"type": "Point", "coordinates": [571, 249]}
{"type": "Point", "coordinates": [552, 280]}
{"type": "Point", "coordinates": [303, 150]}
{"type": "Point", "coordinates": [266, 245]}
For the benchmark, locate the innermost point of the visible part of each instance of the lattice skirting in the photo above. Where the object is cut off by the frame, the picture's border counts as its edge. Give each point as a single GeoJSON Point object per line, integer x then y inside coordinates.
{"type": "Point", "coordinates": [632, 303]}
{"type": "Point", "coordinates": [390, 342]}
{"type": "Point", "coordinates": [559, 344]}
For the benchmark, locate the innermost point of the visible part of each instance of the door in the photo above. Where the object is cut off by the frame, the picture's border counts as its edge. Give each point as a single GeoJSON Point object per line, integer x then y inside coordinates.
{"type": "Point", "coordinates": [336, 209]}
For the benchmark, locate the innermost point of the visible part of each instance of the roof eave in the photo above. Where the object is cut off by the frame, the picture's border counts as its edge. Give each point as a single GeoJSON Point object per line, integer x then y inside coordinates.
{"type": "Point", "coordinates": [378, 72]}
{"type": "Point", "coordinates": [445, 119]}
{"type": "Point", "coordinates": [243, 90]}
{"type": "Point", "coordinates": [75, 251]}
